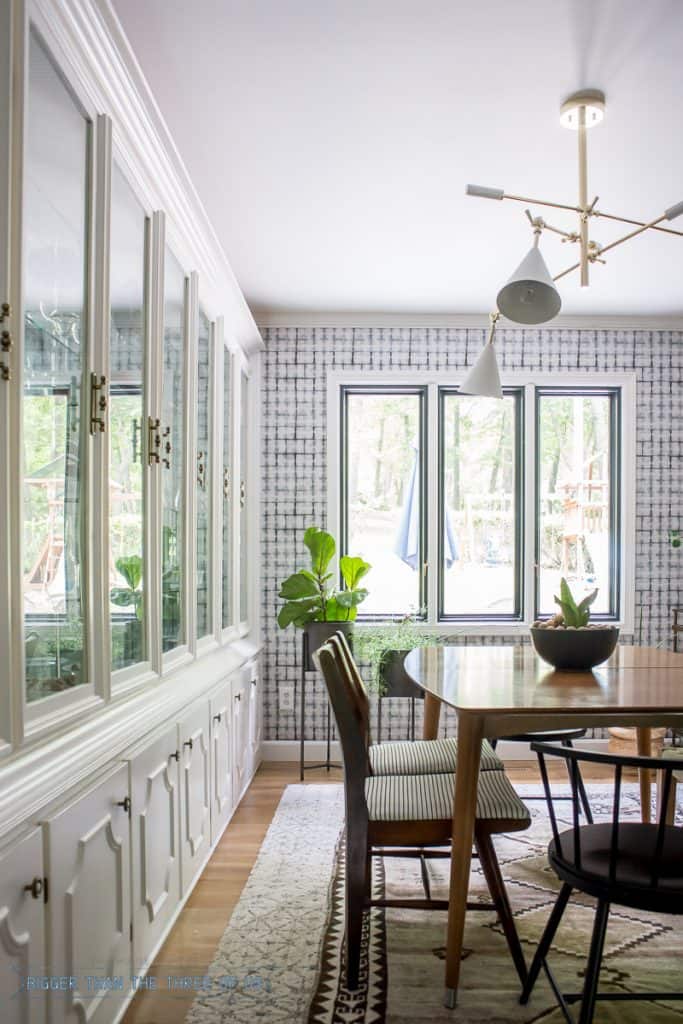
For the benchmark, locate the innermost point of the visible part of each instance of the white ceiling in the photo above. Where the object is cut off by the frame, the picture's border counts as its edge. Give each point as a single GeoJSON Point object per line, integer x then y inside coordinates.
{"type": "Point", "coordinates": [331, 141]}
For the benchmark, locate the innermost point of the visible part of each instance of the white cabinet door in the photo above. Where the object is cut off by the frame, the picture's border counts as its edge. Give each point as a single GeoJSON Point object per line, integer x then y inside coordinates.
{"type": "Point", "coordinates": [221, 761]}
{"type": "Point", "coordinates": [155, 824]}
{"type": "Point", "coordinates": [195, 793]}
{"type": "Point", "coordinates": [255, 718]}
{"type": "Point", "coordinates": [22, 931]}
{"type": "Point", "coordinates": [240, 732]}
{"type": "Point", "coordinates": [87, 861]}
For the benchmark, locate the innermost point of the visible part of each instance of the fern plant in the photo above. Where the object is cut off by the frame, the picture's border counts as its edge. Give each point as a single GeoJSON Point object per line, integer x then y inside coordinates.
{"type": "Point", "coordinates": [576, 615]}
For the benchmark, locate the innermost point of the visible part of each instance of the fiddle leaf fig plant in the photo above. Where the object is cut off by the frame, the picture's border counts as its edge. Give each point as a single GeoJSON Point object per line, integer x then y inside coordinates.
{"type": "Point", "coordinates": [310, 594]}
{"type": "Point", "coordinates": [576, 615]}
{"type": "Point", "coordinates": [131, 570]}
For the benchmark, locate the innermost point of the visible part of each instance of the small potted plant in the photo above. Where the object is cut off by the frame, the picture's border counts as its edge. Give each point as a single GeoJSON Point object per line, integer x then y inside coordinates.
{"type": "Point", "coordinates": [313, 602]}
{"type": "Point", "coordinates": [130, 596]}
{"type": "Point", "coordinates": [383, 647]}
{"type": "Point", "coordinates": [568, 640]}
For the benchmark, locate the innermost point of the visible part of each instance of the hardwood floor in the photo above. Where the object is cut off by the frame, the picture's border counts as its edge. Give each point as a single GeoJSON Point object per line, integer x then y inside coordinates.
{"type": "Point", "coordinates": [191, 945]}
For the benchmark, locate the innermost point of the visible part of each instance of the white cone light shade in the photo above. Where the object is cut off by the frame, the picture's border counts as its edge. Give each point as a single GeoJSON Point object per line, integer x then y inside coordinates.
{"type": "Point", "coordinates": [530, 296]}
{"type": "Point", "coordinates": [483, 379]}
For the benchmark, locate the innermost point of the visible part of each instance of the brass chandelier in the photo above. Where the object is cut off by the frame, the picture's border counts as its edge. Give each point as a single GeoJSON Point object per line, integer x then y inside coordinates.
{"type": "Point", "coordinates": [530, 295]}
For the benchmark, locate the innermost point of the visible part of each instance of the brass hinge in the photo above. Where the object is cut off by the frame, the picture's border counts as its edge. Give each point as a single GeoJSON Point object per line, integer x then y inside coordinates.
{"type": "Point", "coordinates": [153, 441]}
{"type": "Point", "coordinates": [201, 470]}
{"type": "Point", "coordinates": [5, 342]}
{"type": "Point", "coordinates": [167, 448]}
{"type": "Point", "coordinates": [226, 483]}
{"type": "Point", "coordinates": [243, 493]}
{"type": "Point", "coordinates": [98, 403]}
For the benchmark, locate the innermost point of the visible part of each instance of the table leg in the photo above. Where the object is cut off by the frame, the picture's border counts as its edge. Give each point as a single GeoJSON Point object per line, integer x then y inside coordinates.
{"type": "Point", "coordinates": [432, 713]}
{"type": "Point", "coordinates": [644, 735]}
{"type": "Point", "coordinates": [470, 735]}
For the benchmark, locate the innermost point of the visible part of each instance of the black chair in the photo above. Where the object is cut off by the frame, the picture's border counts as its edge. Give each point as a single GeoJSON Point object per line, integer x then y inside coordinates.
{"type": "Point", "coordinates": [565, 737]}
{"type": "Point", "coordinates": [627, 863]}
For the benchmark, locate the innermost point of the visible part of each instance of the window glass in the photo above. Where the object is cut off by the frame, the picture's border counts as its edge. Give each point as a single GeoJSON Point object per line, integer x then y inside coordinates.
{"type": "Point", "coordinates": [126, 422]}
{"type": "Point", "coordinates": [203, 476]}
{"type": "Point", "coordinates": [384, 496]}
{"type": "Point", "coordinates": [244, 498]}
{"type": "Point", "coordinates": [575, 525]}
{"type": "Point", "coordinates": [227, 491]}
{"type": "Point", "coordinates": [54, 412]}
{"type": "Point", "coordinates": [173, 456]}
{"type": "Point", "coordinates": [479, 561]}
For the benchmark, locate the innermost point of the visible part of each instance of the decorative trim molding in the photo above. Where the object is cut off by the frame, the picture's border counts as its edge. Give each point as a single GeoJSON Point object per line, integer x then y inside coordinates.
{"type": "Point", "coordinates": [479, 321]}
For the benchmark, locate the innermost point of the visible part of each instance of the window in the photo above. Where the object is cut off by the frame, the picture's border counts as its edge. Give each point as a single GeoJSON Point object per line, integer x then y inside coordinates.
{"type": "Point", "coordinates": [577, 518]}
{"type": "Point", "coordinates": [244, 497]}
{"type": "Point", "coordinates": [384, 494]}
{"type": "Point", "coordinates": [227, 491]}
{"type": "Point", "coordinates": [203, 476]}
{"type": "Point", "coordinates": [480, 500]}
{"type": "Point", "coordinates": [477, 518]}
{"type": "Point", "coordinates": [126, 419]}
{"type": "Point", "coordinates": [173, 457]}
{"type": "Point", "coordinates": [54, 411]}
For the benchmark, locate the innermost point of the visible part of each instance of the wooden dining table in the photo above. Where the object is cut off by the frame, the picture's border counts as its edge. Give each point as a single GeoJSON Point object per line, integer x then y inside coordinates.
{"type": "Point", "coordinates": [506, 690]}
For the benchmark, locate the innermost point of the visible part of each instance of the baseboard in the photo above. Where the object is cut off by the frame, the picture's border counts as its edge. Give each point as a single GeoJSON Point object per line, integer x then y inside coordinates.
{"type": "Point", "coordinates": [288, 750]}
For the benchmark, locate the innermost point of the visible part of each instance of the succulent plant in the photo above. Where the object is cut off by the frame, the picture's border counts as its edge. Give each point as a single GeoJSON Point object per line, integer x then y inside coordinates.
{"type": "Point", "coordinates": [576, 615]}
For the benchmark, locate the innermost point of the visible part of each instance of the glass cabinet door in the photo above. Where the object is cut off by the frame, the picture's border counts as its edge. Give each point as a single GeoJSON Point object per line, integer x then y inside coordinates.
{"type": "Point", "coordinates": [173, 457]}
{"type": "Point", "coordinates": [227, 616]}
{"type": "Point", "coordinates": [203, 476]}
{"type": "Point", "coordinates": [244, 497]}
{"type": "Point", "coordinates": [54, 411]}
{"type": "Point", "coordinates": [126, 418]}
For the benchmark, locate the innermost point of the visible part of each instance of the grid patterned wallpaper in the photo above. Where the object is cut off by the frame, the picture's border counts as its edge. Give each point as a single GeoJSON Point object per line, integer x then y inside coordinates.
{"type": "Point", "coordinates": [295, 367]}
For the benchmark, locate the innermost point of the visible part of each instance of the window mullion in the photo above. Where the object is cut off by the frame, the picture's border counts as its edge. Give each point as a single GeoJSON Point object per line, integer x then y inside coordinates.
{"type": "Point", "coordinates": [189, 535]}
{"type": "Point", "coordinates": [153, 410]}
{"type": "Point", "coordinates": [433, 553]}
{"type": "Point", "coordinates": [529, 510]}
{"type": "Point", "coordinates": [216, 480]}
{"type": "Point", "coordinates": [96, 413]}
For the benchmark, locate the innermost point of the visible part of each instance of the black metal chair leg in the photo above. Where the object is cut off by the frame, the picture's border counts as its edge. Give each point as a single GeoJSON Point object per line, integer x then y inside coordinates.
{"type": "Point", "coordinates": [494, 880]}
{"type": "Point", "coordinates": [425, 875]}
{"type": "Point", "coordinates": [590, 988]}
{"type": "Point", "coordinates": [546, 941]}
{"type": "Point", "coordinates": [583, 796]}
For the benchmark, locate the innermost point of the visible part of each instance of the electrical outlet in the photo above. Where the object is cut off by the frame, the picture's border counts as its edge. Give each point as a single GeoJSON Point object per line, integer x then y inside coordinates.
{"type": "Point", "coordinates": [287, 698]}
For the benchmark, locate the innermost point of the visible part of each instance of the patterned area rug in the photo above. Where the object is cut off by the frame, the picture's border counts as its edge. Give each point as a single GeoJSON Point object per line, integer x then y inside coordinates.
{"type": "Point", "coordinates": [281, 957]}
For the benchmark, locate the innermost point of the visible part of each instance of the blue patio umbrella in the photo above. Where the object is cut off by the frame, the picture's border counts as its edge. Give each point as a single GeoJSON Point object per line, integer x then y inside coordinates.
{"type": "Point", "coordinates": [407, 543]}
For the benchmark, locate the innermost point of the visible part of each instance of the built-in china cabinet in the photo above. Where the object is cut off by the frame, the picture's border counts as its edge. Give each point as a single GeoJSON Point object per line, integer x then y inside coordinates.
{"type": "Point", "coordinates": [129, 634]}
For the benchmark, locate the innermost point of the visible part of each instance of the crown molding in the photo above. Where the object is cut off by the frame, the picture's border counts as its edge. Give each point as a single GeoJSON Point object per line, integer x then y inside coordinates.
{"type": "Point", "coordinates": [88, 35]}
{"type": "Point", "coordinates": [266, 319]}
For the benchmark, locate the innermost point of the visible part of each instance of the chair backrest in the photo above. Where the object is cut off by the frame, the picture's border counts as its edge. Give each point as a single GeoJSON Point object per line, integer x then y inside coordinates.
{"type": "Point", "coordinates": [354, 682]}
{"type": "Point", "coordinates": [574, 756]}
{"type": "Point", "coordinates": [349, 727]}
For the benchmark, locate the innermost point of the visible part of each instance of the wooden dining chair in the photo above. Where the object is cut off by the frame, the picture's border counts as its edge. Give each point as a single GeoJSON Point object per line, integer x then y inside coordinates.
{"type": "Point", "coordinates": [408, 811]}
{"type": "Point", "coordinates": [403, 757]}
{"type": "Point", "coordinates": [627, 863]}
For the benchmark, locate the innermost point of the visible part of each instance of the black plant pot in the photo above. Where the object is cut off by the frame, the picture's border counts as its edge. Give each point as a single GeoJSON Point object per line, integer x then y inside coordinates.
{"type": "Point", "coordinates": [397, 682]}
{"type": "Point", "coordinates": [574, 649]}
{"type": "Point", "coordinates": [318, 633]}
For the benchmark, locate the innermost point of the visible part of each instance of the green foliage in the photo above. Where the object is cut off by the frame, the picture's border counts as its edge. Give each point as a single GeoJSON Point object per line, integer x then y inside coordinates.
{"type": "Point", "coordinates": [125, 597]}
{"type": "Point", "coordinates": [310, 596]}
{"type": "Point", "coordinates": [675, 538]}
{"type": "Point", "coordinates": [574, 614]}
{"type": "Point", "coordinates": [373, 644]}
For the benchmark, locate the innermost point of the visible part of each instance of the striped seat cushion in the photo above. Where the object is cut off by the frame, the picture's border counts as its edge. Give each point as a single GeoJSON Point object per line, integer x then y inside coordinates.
{"type": "Point", "coordinates": [424, 757]}
{"type": "Point", "coordinates": [430, 798]}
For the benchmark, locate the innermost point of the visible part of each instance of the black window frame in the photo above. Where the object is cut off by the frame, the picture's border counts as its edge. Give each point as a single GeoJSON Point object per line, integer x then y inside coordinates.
{"type": "Point", "coordinates": [517, 615]}
{"type": "Point", "coordinates": [614, 394]}
{"type": "Point", "coordinates": [421, 392]}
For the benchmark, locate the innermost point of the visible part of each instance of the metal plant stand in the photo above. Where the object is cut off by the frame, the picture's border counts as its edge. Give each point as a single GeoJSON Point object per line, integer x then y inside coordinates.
{"type": "Point", "coordinates": [327, 763]}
